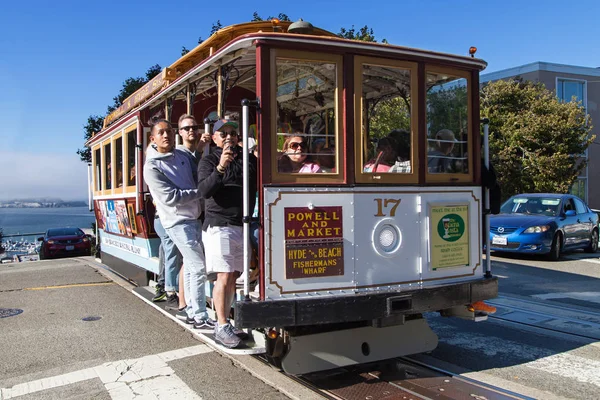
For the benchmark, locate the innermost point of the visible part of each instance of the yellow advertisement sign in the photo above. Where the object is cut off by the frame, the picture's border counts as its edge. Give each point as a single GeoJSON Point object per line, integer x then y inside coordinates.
{"type": "Point", "coordinates": [449, 231]}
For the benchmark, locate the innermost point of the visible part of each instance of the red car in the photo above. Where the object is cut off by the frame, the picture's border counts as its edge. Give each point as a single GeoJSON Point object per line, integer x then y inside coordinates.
{"type": "Point", "coordinates": [67, 242]}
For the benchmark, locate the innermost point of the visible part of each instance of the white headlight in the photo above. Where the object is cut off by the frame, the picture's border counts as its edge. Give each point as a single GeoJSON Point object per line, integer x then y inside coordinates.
{"type": "Point", "coordinates": [387, 238]}
{"type": "Point", "coordinates": [537, 229]}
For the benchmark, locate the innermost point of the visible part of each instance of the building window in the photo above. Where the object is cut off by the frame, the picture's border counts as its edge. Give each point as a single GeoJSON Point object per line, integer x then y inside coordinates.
{"type": "Point", "coordinates": [579, 188]}
{"type": "Point", "coordinates": [567, 89]}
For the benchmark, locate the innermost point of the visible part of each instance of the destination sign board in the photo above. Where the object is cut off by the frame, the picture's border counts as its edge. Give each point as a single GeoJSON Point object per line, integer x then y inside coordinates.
{"type": "Point", "coordinates": [314, 242]}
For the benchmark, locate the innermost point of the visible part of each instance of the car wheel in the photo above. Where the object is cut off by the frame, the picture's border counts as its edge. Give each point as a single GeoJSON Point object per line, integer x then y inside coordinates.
{"type": "Point", "coordinates": [593, 247]}
{"type": "Point", "coordinates": [556, 248]}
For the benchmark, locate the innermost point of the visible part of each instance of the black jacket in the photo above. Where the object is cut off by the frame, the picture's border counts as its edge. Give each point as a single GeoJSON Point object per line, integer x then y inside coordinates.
{"type": "Point", "coordinates": [224, 192]}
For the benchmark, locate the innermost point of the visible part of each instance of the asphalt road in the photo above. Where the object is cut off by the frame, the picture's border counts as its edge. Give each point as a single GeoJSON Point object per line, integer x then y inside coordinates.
{"type": "Point", "coordinates": [82, 334]}
{"type": "Point", "coordinates": [545, 340]}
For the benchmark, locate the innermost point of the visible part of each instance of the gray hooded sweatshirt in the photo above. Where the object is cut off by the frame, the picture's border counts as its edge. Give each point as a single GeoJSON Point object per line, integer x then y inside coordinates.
{"type": "Point", "coordinates": [170, 178]}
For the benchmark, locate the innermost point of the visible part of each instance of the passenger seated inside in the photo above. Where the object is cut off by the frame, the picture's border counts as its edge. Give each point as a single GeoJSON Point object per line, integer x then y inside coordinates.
{"type": "Point", "coordinates": [295, 157]}
{"type": "Point", "coordinates": [402, 138]}
{"type": "Point", "coordinates": [385, 158]}
{"type": "Point", "coordinates": [439, 159]}
{"type": "Point", "coordinates": [326, 159]}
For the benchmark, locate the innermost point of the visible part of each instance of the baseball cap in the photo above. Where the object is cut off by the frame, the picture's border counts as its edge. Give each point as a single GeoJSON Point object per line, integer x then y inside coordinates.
{"type": "Point", "coordinates": [224, 122]}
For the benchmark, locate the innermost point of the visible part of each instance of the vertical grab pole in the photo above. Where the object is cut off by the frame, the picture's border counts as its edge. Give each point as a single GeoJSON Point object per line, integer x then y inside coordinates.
{"type": "Point", "coordinates": [486, 159]}
{"type": "Point", "coordinates": [246, 199]}
{"type": "Point", "coordinates": [207, 123]}
{"type": "Point", "coordinates": [90, 185]}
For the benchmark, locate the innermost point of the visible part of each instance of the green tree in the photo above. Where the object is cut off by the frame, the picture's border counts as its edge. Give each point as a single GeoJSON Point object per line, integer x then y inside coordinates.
{"type": "Point", "coordinates": [365, 34]}
{"type": "Point", "coordinates": [387, 115]}
{"type": "Point", "coordinates": [93, 126]}
{"type": "Point", "coordinates": [216, 26]}
{"type": "Point", "coordinates": [131, 85]}
{"type": "Point", "coordinates": [1, 237]}
{"type": "Point", "coordinates": [537, 142]}
{"type": "Point", "coordinates": [95, 122]}
{"type": "Point", "coordinates": [447, 108]}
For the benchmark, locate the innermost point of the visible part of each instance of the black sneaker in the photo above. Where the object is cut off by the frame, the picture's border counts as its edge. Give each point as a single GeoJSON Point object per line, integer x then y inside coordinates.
{"type": "Point", "coordinates": [206, 325]}
{"type": "Point", "coordinates": [159, 294]}
{"type": "Point", "coordinates": [189, 321]}
{"type": "Point", "coordinates": [172, 302]}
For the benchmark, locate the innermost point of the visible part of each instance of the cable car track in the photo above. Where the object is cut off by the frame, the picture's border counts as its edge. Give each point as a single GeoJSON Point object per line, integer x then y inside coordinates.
{"type": "Point", "coordinates": [540, 317]}
{"type": "Point", "coordinates": [402, 378]}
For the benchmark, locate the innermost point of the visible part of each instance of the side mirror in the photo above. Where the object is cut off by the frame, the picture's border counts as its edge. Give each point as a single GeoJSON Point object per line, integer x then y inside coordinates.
{"type": "Point", "coordinates": [40, 239]}
{"type": "Point", "coordinates": [570, 213]}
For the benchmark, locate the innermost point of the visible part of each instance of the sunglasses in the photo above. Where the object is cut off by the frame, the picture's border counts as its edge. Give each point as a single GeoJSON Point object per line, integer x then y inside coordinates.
{"type": "Point", "coordinates": [295, 145]}
{"type": "Point", "coordinates": [224, 134]}
{"type": "Point", "coordinates": [190, 128]}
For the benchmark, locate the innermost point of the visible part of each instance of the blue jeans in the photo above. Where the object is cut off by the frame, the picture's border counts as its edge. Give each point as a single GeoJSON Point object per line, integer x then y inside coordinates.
{"type": "Point", "coordinates": [171, 260]}
{"type": "Point", "coordinates": [187, 236]}
{"type": "Point", "coordinates": [254, 225]}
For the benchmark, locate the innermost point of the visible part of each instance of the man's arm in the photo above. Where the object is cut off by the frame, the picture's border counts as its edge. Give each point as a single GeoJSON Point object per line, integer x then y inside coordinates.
{"type": "Point", "coordinates": [209, 179]}
{"type": "Point", "coordinates": [164, 191]}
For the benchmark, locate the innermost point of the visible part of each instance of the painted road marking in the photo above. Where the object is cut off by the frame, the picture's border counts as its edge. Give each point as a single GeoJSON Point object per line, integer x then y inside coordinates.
{"type": "Point", "coordinates": [124, 379]}
{"type": "Point", "coordinates": [593, 297]}
{"type": "Point", "coordinates": [70, 286]}
{"type": "Point", "coordinates": [563, 364]}
{"type": "Point", "coordinates": [149, 377]}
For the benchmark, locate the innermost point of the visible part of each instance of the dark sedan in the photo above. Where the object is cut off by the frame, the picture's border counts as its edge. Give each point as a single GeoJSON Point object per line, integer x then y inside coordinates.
{"type": "Point", "coordinates": [544, 223]}
{"type": "Point", "coordinates": [61, 242]}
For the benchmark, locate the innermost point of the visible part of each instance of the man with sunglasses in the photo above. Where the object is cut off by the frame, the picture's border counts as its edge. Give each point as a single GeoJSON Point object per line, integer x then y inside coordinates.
{"type": "Point", "coordinates": [193, 142]}
{"type": "Point", "coordinates": [220, 182]}
{"type": "Point", "coordinates": [169, 174]}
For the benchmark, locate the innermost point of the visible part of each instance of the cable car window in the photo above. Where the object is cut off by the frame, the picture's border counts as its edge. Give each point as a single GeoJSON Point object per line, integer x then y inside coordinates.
{"type": "Point", "coordinates": [306, 116]}
{"type": "Point", "coordinates": [447, 124]}
{"type": "Point", "coordinates": [386, 119]}
{"type": "Point", "coordinates": [107, 167]}
{"type": "Point", "coordinates": [119, 162]}
{"type": "Point", "coordinates": [130, 170]}
{"type": "Point", "coordinates": [97, 175]}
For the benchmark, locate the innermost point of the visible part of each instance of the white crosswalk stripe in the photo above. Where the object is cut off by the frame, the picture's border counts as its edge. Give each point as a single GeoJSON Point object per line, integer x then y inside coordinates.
{"type": "Point", "coordinates": [149, 377]}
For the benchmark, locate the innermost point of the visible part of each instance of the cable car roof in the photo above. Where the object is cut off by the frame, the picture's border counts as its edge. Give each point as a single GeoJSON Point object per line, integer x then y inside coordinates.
{"type": "Point", "coordinates": [229, 40]}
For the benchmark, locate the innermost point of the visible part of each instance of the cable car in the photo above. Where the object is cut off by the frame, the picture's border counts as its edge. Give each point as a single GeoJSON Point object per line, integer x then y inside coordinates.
{"type": "Point", "coordinates": [370, 202]}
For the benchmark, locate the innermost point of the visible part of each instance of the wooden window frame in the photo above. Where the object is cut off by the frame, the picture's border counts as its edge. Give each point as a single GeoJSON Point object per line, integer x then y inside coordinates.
{"type": "Point", "coordinates": [453, 177]}
{"type": "Point", "coordinates": [105, 190]}
{"type": "Point", "coordinates": [95, 176]}
{"type": "Point", "coordinates": [113, 139]}
{"type": "Point", "coordinates": [126, 132]}
{"type": "Point", "coordinates": [306, 178]}
{"type": "Point", "coordinates": [381, 177]}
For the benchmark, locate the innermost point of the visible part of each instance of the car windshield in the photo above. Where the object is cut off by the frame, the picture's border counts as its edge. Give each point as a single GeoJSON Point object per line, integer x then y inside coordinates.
{"type": "Point", "coordinates": [64, 232]}
{"type": "Point", "coordinates": [548, 206]}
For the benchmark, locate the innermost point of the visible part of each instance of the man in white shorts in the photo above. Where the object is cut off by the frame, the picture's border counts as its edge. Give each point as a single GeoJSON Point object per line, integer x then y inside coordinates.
{"type": "Point", "coordinates": [220, 182]}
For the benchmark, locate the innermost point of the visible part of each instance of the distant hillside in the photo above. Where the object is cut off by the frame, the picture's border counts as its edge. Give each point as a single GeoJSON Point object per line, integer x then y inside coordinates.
{"type": "Point", "coordinates": [40, 203]}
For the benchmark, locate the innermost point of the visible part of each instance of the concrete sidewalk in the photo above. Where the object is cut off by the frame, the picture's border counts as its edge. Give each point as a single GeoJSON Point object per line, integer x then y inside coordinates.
{"type": "Point", "coordinates": [82, 334]}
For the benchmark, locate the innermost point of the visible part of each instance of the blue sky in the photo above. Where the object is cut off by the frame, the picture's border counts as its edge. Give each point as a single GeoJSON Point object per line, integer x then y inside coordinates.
{"type": "Point", "coordinates": [61, 61]}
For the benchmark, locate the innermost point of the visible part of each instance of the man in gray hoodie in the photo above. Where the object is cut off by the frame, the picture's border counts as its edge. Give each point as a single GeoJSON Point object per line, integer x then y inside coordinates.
{"type": "Point", "coordinates": [169, 174]}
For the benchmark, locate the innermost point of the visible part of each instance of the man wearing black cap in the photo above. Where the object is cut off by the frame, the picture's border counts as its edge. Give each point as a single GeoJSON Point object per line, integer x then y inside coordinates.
{"type": "Point", "coordinates": [220, 182]}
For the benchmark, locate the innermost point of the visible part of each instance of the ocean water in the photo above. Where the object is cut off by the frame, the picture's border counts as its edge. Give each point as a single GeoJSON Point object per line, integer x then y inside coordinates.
{"type": "Point", "coordinates": [38, 220]}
